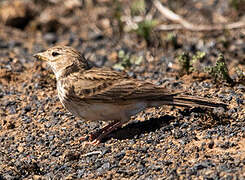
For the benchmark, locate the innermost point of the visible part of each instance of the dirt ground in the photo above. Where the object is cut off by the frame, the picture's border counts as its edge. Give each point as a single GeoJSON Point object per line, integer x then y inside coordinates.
{"type": "Point", "coordinates": [39, 139]}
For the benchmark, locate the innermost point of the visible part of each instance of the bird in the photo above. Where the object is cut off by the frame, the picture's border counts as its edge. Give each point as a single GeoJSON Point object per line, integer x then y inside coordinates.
{"type": "Point", "coordinates": [103, 94]}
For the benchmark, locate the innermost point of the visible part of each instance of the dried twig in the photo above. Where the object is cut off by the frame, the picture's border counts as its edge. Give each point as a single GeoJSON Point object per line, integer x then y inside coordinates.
{"type": "Point", "coordinates": [187, 25]}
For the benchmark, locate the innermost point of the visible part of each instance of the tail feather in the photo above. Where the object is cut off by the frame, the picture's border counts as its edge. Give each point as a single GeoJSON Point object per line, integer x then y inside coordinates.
{"type": "Point", "coordinates": [190, 101]}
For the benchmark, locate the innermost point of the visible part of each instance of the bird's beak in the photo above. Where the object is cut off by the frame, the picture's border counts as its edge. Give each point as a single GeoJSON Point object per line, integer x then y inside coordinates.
{"type": "Point", "coordinates": [41, 56]}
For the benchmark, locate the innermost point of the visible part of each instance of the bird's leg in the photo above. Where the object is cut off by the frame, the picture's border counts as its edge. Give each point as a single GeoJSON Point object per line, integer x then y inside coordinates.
{"type": "Point", "coordinates": [97, 133]}
{"type": "Point", "coordinates": [96, 137]}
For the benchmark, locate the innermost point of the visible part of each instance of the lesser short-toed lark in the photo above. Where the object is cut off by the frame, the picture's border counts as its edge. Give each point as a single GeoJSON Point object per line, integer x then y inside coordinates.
{"type": "Point", "coordinates": [103, 94]}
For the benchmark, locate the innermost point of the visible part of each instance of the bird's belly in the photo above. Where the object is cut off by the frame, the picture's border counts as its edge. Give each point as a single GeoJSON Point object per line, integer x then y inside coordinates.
{"type": "Point", "coordinates": [101, 111]}
{"type": "Point", "coordinates": [104, 111]}
{"type": "Point", "coordinates": [95, 111]}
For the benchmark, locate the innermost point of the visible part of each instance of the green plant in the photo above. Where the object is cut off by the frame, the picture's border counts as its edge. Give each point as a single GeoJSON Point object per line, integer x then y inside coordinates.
{"type": "Point", "coordinates": [117, 14]}
{"type": "Point", "coordinates": [126, 60]}
{"type": "Point", "coordinates": [198, 56]}
{"type": "Point", "coordinates": [145, 28]}
{"type": "Point", "coordinates": [187, 62]}
{"type": "Point", "coordinates": [137, 7]}
{"type": "Point", "coordinates": [172, 38]}
{"type": "Point", "coordinates": [220, 70]}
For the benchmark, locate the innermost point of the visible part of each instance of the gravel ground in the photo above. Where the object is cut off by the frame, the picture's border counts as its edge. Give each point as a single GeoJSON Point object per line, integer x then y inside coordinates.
{"type": "Point", "coordinates": [39, 139]}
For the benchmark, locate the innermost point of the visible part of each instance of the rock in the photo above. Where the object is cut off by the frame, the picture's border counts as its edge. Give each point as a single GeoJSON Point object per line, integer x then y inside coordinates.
{"type": "Point", "coordinates": [17, 13]}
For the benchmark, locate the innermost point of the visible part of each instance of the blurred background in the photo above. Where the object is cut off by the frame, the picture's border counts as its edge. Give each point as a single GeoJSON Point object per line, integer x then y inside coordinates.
{"type": "Point", "coordinates": [103, 28]}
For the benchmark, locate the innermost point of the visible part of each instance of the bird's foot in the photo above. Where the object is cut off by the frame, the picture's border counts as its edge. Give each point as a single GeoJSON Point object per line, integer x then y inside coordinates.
{"type": "Point", "coordinates": [96, 137]}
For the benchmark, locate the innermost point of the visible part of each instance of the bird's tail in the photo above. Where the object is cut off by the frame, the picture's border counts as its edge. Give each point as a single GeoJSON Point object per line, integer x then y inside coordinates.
{"type": "Point", "coordinates": [190, 101]}
{"type": "Point", "coordinates": [197, 102]}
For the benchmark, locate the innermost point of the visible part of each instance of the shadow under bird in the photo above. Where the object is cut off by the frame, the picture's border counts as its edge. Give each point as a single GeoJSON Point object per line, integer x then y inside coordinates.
{"type": "Point", "coordinates": [94, 94]}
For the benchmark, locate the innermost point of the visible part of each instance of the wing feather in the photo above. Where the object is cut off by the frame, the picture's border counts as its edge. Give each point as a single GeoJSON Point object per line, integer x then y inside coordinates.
{"type": "Point", "coordinates": [100, 84]}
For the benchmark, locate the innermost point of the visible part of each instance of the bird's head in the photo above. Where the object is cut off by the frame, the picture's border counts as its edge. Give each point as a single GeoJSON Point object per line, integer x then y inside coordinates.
{"type": "Point", "coordinates": [63, 59]}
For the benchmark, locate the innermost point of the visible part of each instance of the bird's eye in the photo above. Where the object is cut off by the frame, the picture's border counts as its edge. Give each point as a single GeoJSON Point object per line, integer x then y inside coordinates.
{"type": "Point", "coordinates": [55, 53]}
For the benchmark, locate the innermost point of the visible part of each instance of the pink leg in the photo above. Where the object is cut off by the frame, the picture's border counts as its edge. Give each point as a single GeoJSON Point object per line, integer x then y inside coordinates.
{"type": "Point", "coordinates": [97, 136]}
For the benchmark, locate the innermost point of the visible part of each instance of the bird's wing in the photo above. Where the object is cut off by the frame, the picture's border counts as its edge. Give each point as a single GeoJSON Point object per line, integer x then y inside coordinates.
{"type": "Point", "coordinates": [111, 86]}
